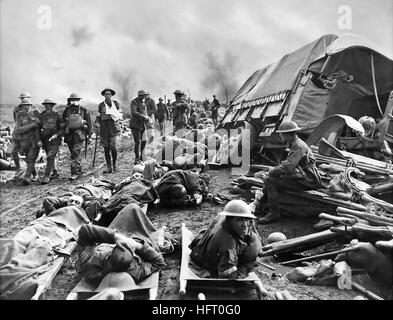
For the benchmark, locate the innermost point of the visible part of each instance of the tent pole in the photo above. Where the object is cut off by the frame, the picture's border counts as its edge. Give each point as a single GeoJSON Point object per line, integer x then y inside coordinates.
{"type": "Point", "coordinates": [325, 64]}
{"type": "Point", "coordinates": [375, 84]}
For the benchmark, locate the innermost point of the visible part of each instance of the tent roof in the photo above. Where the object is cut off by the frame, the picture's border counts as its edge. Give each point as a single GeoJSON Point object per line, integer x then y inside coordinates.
{"type": "Point", "coordinates": [282, 75]}
{"type": "Point", "coordinates": [350, 40]}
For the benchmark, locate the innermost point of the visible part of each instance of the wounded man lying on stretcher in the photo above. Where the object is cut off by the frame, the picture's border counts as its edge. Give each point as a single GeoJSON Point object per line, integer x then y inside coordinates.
{"type": "Point", "coordinates": [104, 250]}
{"type": "Point", "coordinates": [229, 247]}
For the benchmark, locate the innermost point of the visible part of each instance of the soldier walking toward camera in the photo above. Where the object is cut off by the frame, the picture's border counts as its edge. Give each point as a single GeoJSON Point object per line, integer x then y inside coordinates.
{"type": "Point", "coordinates": [215, 106]}
{"type": "Point", "coordinates": [162, 115]}
{"type": "Point", "coordinates": [52, 130]}
{"type": "Point", "coordinates": [20, 108]}
{"type": "Point", "coordinates": [26, 137]}
{"type": "Point", "coordinates": [180, 108]}
{"type": "Point", "coordinates": [107, 121]}
{"type": "Point", "coordinates": [77, 132]}
{"type": "Point", "coordinates": [138, 121]}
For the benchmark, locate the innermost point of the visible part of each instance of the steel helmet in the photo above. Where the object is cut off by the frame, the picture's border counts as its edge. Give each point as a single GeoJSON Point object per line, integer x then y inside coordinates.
{"type": "Point", "coordinates": [276, 237]}
{"type": "Point", "coordinates": [179, 92]}
{"type": "Point", "coordinates": [178, 191]}
{"type": "Point", "coordinates": [288, 126]}
{"type": "Point", "coordinates": [367, 122]}
{"type": "Point", "coordinates": [25, 101]}
{"type": "Point", "coordinates": [180, 162]}
{"type": "Point", "coordinates": [24, 95]}
{"type": "Point", "coordinates": [142, 93]}
{"type": "Point", "coordinates": [48, 101]}
{"type": "Point", "coordinates": [108, 89]}
{"type": "Point", "coordinates": [119, 280]}
{"type": "Point", "coordinates": [74, 96]}
{"type": "Point", "coordinates": [237, 208]}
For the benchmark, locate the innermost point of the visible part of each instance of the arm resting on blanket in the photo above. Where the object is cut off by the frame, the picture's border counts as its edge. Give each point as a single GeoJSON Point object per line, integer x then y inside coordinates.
{"type": "Point", "coordinates": [91, 234]}
{"type": "Point", "coordinates": [152, 262]}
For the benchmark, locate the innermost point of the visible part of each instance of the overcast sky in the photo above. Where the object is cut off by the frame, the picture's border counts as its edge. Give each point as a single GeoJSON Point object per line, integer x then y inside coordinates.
{"type": "Point", "coordinates": [198, 46]}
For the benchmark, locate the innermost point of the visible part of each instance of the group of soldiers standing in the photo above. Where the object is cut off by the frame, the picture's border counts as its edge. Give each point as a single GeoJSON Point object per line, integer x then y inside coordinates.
{"type": "Point", "coordinates": [144, 112]}
{"type": "Point", "coordinates": [34, 130]}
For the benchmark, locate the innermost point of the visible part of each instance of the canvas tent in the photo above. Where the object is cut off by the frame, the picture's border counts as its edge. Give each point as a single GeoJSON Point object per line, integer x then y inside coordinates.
{"type": "Point", "coordinates": [347, 75]}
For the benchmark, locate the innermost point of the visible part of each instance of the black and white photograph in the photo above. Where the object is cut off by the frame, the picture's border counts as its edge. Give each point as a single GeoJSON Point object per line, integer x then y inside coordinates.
{"type": "Point", "coordinates": [198, 154]}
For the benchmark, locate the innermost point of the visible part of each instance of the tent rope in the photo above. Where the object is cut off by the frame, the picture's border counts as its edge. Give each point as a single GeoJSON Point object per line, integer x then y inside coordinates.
{"type": "Point", "coordinates": [374, 83]}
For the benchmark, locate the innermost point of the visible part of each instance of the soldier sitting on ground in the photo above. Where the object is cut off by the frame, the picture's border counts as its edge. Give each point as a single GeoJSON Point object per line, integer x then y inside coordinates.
{"type": "Point", "coordinates": [297, 172]}
{"type": "Point", "coordinates": [229, 247]}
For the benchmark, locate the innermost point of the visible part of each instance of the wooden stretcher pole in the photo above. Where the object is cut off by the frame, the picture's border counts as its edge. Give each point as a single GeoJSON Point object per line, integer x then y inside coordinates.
{"type": "Point", "coordinates": [319, 256]}
{"type": "Point", "coordinates": [366, 292]}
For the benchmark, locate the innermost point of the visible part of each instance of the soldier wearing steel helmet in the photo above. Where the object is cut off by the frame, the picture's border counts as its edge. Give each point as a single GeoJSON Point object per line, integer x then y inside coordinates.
{"type": "Point", "coordinates": [297, 172]}
{"type": "Point", "coordinates": [230, 246]}
{"type": "Point", "coordinates": [107, 121]}
{"type": "Point", "coordinates": [22, 96]}
{"type": "Point", "coordinates": [52, 131]}
{"type": "Point", "coordinates": [138, 122]}
{"type": "Point", "coordinates": [78, 129]}
{"type": "Point", "coordinates": [20, 109]}
{"type": "Point", "coordinates": [26, 137]}
{"type": "Point", "coordinates": [179, 111]}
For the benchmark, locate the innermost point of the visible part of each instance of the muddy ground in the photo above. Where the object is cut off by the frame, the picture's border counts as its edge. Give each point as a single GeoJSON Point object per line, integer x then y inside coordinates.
{"type": "Point", "coordinates": [18, 204]}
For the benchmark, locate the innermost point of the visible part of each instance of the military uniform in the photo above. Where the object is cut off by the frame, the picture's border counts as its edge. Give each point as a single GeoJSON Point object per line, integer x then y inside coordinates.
{"type": "Point", "coordinates": [26, 136]}
{"type": "Point", "coordinates": [109, 132]}
{"type": "Point", "coordinates": [151, 109]}
{"type": "Point", "coordinates": [51, 124]}
{"type": "Point", "coordinates": [95, 245]}
{"type": "Point", "coordinates": [223, 253]}
{"type": "Point", "coordinates": [180, 108]}
{"type": "Point", "coordinates": [297, 172]}
{"type": "Point", "coordinates": [76, 136]}
{"type": "Point", "coordinates": [161, 115]}
{"type": "Point", "coordinates": [138, 125]}
{"type": "Point", "coordinates": [215, 107]}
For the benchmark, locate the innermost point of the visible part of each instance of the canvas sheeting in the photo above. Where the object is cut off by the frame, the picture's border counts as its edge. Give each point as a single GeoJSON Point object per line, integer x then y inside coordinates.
{"type": "Point", "coordinates": [349, 53]}
{"type": "Point", "coordinates": [353, 54]}
{"type": "Point", "coordinates": [281, 75]}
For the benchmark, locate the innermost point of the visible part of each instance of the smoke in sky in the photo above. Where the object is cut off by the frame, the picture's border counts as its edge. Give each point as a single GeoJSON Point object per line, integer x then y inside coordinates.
{"type": "Point", "coordinates": [125, 84]}
{"type": "Point", "coordinates": [220, 75]}
{"type": "Point", "coordinates": [81, 35]}
{"type": "Point", "coordinates": [204, 46]}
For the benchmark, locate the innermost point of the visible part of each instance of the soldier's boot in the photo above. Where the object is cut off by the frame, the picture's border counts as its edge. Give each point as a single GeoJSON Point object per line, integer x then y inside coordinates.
{"type": "Point", "coordinates": [143, 145]}
{"type": "Point", "coordinates": [45, 180]}
{"type": "Point", "coordinates": [74, 174]}
{"type": "Point", "coordinates": [108, 161]}
{"type": "Point", "coordinates": [26, 180]}
{"type": "Point", "coordinates": [114, 160]}
{"type": "Point", "coordinates": [35, 175]}
{"type": "Point", "coordinates": [55, 174]}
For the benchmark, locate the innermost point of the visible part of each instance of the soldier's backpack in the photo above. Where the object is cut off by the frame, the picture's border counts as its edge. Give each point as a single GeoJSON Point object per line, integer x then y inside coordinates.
{"type": "Point", "coordinates": [75, 120]}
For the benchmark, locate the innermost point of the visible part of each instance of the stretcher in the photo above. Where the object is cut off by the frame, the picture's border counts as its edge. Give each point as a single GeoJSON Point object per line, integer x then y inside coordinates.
{"type": "Point", "coordinates": [85, 290]}
{"type": "Point", "coordinates": [149, 286]}
{"type": "Point", "coordinates": [189, 279]}
{"type": "Point", "coordinates": [45, 280]}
